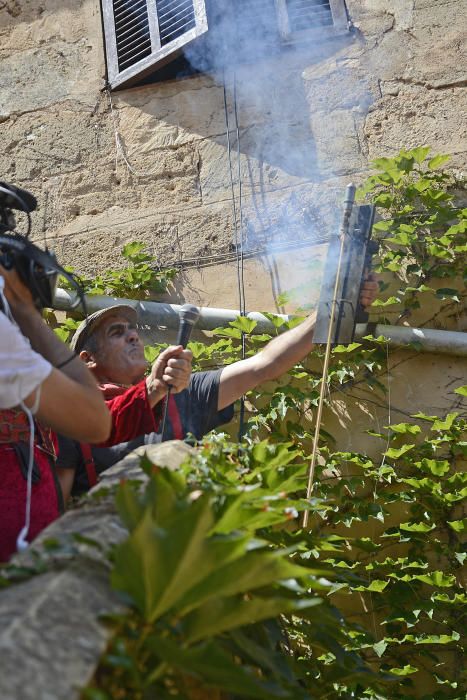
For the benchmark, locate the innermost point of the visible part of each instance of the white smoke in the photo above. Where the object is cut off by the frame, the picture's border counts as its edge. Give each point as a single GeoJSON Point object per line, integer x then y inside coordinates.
{"type": "Point", "coordinates": [281, 102]}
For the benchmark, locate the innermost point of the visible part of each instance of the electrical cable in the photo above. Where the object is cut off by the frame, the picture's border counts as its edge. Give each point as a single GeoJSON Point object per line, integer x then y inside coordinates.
{"type": "Point", "coordinates": [240, 203]}
{"type": "Point", "coordinates": [208, 260]}
{"type": "Point", "coordinates": [238, 243]}
{"type": "Point", "coordinates": [21, 542]}
{"type": "Point", "coordinates": [164, 414]}
{"type": "Point", "coordinates": [232, 185]}
{"type": "Point", "coordinates": [241, 265]}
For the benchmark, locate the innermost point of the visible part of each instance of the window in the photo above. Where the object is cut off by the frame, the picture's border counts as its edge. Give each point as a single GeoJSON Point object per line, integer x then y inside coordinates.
{"type": "Point", "coordinates": [301, 19]}
{"type": "Point", "coordinates": [141, 36]}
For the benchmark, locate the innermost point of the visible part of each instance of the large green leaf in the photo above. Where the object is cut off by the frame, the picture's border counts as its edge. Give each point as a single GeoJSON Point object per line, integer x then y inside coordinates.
{"type": "Point", "coordinates": [156, 565]}
{"type": "Point", "coordinates": [439, 467]}
{"type": "Point", "coordinates": [220, 615]}
{"type": "Point", "coordinates": [397, 452]}
{"type": "Point", "coordinates": [129, 505]}
{"type": "Point", "coordinates": [255, 569]}
{"type": "Point", "coordinates": [437, 161]}
{"type": "Point", "coordinates": [216, 667]}
{"type": "Point", "coordinates": [445, 424]}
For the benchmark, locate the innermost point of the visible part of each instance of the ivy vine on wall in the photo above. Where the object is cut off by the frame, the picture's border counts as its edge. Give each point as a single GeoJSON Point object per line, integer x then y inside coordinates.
{"type": "Point", "coordinates": [229, 597]}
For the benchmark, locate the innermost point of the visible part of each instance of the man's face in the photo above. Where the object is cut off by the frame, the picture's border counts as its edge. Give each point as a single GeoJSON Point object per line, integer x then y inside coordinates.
{"type": "Point", "coordinates": [119, 356]}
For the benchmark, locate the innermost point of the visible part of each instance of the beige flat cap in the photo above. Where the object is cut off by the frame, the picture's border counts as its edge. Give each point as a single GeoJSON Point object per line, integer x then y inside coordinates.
{"type": "Point", "coordinates": [92, 322]}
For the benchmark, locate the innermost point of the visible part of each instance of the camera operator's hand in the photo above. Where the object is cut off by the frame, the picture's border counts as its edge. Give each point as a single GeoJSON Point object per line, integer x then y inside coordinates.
{"type": "Point", "coordinates": [172, 368]}
{"type": "Point", "coordinates": [70, 401]}
{"type": "Point", "coordinates": [16, 293]}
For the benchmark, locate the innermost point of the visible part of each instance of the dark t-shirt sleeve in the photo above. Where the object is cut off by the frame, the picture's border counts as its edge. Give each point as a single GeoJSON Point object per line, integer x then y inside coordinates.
{"type": "Point", "coordinates": [204, 393]}
{"type": "Point", "coordinates": [69, 453]}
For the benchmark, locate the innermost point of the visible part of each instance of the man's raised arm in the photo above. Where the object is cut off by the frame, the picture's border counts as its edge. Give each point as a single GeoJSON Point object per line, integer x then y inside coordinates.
{"type": "Point", "coordinates": [280, 355]}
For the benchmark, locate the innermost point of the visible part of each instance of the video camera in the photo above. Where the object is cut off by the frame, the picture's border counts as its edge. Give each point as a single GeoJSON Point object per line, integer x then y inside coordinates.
{"type": "Point", "coordinates": [38, 269]}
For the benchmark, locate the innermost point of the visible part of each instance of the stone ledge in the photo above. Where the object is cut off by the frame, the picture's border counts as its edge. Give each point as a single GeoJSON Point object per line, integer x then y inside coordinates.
{"type": "Point", "coordinates": [51, 636]}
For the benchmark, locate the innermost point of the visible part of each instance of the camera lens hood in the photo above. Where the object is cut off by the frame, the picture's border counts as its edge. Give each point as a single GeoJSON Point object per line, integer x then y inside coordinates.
{"type": "Point", "coordinates": [12, 197]}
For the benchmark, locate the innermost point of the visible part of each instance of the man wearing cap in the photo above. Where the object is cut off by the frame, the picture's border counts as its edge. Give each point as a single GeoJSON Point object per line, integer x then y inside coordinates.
{"type": "Point", "coordinates": [109, 344]}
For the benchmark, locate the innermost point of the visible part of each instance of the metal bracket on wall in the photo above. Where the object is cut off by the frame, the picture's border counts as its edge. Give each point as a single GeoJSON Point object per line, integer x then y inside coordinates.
{"type": "Point", "coordinates": [356, 261]}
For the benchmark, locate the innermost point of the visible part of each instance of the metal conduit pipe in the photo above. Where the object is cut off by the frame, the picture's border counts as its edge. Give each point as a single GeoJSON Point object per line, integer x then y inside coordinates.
{"type": "Point", "coordinates": [162, 315]}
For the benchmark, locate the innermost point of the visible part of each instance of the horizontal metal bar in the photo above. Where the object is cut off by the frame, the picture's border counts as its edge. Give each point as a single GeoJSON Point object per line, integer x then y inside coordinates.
{"type": "Point", "coordinates": [166, 316]}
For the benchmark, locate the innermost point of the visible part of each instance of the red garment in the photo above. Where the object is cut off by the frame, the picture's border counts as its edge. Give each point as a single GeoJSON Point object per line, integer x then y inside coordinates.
{"type": "Point", "coordinates": [14, 427]}
{"type": "Point", "coordinates": [45, 507]}
{"type": "Point", "coordinates": [132, 414]}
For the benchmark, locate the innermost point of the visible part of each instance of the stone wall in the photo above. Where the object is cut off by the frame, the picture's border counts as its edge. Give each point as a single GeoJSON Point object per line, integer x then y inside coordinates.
{"type": "Point", "coordinates": [309, 122]}
{"type": "Point", "coordinates": [51, 629]}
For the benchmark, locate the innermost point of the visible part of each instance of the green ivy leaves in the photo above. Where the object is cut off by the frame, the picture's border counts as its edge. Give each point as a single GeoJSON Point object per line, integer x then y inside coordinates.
{"type": "Point", "coordinates": [423, 232]}
{"type": "Point", "coordinates": [207, 584]}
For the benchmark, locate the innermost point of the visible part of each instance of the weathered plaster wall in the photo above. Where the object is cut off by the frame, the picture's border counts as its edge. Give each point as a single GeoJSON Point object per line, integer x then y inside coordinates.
{"type": "Point", "coordinates": [309, 122]}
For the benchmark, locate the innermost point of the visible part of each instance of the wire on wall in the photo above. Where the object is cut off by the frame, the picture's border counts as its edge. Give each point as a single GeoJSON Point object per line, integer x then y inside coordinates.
{"type": "Point", "coordinates": [237, 218]}
{"type": "Point", "coordinates": [119, 147]}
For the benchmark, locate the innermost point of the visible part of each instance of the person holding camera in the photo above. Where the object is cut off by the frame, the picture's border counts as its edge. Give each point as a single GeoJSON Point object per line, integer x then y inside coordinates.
{"type": "Point", "coordinates": [44, 387]}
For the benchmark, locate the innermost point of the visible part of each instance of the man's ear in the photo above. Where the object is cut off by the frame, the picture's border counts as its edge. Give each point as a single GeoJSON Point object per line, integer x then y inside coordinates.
{"type": "Point", "coordinates": [89, 359]}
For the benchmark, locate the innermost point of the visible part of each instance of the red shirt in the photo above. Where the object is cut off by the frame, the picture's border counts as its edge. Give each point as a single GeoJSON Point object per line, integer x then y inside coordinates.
{"type": "Point", "coordinates": [45, 502]}
{"type": "Point", "coordinates": [132, 414]}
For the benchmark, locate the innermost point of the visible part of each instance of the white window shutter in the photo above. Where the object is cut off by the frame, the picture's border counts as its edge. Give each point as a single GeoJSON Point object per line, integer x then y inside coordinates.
{"type": "Point", "coordinates": [142, 35]}
{"type": "Point", "coordinates": [302, 19]}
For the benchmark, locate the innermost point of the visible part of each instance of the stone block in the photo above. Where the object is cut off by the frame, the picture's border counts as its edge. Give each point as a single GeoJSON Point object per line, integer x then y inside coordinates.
{"type": "Point", "coordinates": [439, 58]}
{"type": "Point", "coordinates": [338, 148]}
{"type": "Point", "coordinates": [42, 76]}
{"type": "Point", "coordinates": [51, 636]}
{"type": "Point", "coordinates": [418, 116]}
{"type": "Point", "coordinates": [171, 114]}
{"type": "Point", "coordinates": [377, 16]}
{"type": "Point", "coordinates": [46, 144]}
{"type": "Point", "coordinates": [335, 86]}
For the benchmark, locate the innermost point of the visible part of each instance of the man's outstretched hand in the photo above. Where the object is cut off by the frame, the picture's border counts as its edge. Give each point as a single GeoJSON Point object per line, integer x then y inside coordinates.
{"type": "Point", "coordinates": [369, 290]}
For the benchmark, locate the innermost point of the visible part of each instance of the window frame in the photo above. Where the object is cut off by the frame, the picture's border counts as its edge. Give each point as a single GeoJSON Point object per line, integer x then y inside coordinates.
{"type": "Point", "coordinates": [159, 56]}
{"type": "Point", "coordinates": [340, 24]}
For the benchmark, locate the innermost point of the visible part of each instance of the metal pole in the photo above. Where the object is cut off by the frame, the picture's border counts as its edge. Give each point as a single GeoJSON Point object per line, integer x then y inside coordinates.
{"type": "Point", "coordinates": [156, 314]}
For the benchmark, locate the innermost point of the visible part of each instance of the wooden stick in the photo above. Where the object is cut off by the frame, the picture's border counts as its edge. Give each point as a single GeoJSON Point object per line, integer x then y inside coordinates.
{"type": "Point", "coordinates": [349, 201]}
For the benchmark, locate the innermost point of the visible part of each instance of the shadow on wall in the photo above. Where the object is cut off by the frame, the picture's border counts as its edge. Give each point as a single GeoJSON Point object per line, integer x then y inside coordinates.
{"type": "Point", "coordinates": [264, 96]}
{"type": "Point", "coordinates": [276, 148]}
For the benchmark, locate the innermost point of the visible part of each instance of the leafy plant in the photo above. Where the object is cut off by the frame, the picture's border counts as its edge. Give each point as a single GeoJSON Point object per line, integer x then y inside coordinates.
{"type": "Point", "coordinates": [423, 237]}
{"type": "Point", "coordinates": [411, 555]}
{"type": "Point", "coordinates": [139, 278]}
{"type": "Point", "coordinates": [215, 600]}
{"type": "Point", "coordinates": [228, 594]}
